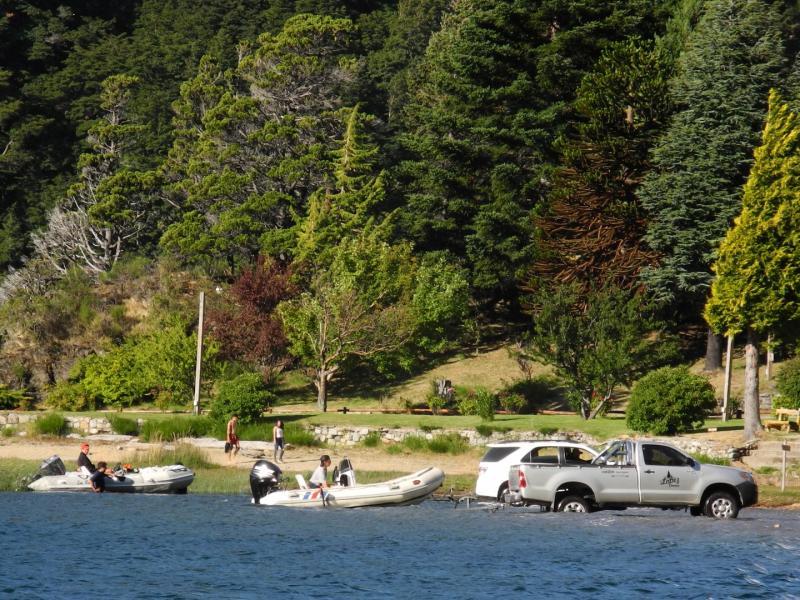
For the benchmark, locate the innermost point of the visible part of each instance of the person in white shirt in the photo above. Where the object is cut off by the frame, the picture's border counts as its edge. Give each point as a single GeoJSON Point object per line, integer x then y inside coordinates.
{"type": "Point", "coordinates": [277, 440]}
{"type": "Point", "coordinates": [319, 478]}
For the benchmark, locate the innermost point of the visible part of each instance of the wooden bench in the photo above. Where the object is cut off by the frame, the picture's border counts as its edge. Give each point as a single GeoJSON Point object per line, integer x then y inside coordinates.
{"type": "Point", "coordinates": [785, 419]}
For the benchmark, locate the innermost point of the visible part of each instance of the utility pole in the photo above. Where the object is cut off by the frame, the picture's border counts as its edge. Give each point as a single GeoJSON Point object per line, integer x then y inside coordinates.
{"type": "Point", "coordinates": [199, 360]}
{"type": "Point", "coordinates": [726, 394]}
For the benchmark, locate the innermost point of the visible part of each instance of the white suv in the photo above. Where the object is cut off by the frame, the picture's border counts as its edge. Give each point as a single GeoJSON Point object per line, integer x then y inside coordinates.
{"type": "Point", "coordinates": [493, 469]}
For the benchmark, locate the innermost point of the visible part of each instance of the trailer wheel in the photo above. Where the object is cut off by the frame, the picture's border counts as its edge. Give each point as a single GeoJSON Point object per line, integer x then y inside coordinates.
{"type": "Point", "coordinates": [501, 493]}
{"type": "Point", "coordinates": [573, 504]}
{"type": "Point", "coordinates": [721, 505]}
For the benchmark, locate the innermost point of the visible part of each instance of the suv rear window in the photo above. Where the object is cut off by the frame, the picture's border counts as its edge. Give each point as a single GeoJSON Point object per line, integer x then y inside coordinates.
{"type": "Point", "coordinates": [499, 453]}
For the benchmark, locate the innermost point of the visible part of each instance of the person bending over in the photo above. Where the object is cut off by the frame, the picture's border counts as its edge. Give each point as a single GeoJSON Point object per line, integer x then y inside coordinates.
{"type": "Point", "coordinates": [319, 478]}
{"type": "Point", "coordinates": [98, 478]}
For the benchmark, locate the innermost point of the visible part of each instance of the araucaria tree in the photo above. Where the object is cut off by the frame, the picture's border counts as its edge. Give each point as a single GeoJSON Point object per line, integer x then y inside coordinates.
{"type": "Point", "coordinates": [592, 230]}
{"type": "Point", "coordinates": [757, 285]}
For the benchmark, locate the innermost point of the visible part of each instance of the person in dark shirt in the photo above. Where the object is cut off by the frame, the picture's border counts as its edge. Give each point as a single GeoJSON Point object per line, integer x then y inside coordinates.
{"type": "Point", "coordinates": [84, 462]}
{"type": "Point", "coordinates": [98, 478]}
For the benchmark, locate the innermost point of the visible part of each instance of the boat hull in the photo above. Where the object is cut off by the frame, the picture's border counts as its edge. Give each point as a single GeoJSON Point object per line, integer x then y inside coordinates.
{"type": "Point", "coordinates": [173, 479]}
{"type": "Point", "coordinates": [409, 489]}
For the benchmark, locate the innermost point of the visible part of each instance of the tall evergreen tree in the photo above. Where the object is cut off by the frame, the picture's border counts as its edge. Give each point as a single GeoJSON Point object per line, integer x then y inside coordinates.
{"type": "Point", "coordinates": [488, 101]}
{"type": "Point", "coordinates": [731, 59]}
{"type": "Point", "coordinates": [591, 232]}
{"type": "Point", "coordinates": [263, 148]}
{"type": "Point", "coordinates": [757, 284]}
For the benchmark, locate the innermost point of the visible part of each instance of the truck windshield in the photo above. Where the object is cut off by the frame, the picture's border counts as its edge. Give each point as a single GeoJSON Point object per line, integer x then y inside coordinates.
{"type": "Point", "coordinates": [617, 453]}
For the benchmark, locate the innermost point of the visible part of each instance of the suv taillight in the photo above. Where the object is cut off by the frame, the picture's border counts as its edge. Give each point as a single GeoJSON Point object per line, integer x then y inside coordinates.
{"type": "Point", "coordinates": [522, 483]}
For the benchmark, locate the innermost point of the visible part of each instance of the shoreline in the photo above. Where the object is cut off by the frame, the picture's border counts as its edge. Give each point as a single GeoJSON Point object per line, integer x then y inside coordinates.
{"type": "Point", "coordinates": [229, 476]}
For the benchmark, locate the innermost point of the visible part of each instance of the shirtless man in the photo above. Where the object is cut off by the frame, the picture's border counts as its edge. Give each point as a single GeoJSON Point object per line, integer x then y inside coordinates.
{"type": "Point", "coordinates": [232, 438]}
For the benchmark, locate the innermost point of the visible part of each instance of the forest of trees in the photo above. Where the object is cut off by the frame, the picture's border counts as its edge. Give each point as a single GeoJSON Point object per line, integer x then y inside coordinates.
{"type": "Point", "coordinates": [372, 184]}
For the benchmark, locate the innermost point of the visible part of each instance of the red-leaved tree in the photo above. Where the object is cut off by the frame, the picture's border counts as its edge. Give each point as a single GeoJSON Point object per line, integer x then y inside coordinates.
{"type": "Point", "coordinates": [245, 325]}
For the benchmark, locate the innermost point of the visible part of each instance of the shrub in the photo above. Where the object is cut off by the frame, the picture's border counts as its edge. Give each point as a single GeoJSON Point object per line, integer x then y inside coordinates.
{"type": "Point", "coordinates": [487, 430]}
{"type": "Point", "coordinates": [548, 430]}
{"type": "Point", "coordinates": [712, 460]}
{"type": "Point", "coordinates": [11, 399]}
{"type": "Point", "coordinates": [436, 403]}
{"type": "Point", "coordinates": [669, 400]}
{"type": "Point", "coordinates": [51, 424]}
{"type": "Point", "coordinates": [7, 431]}
{"type": "Point", "coordinates": [480, 402]}
{"type": "Point", "coordinates": [372, 439]}
{"type": "Point", "coordinates": [536, 391]}
{"type": "Point", "coordinates": [513, 402]}
{"type": "Point", "coordinates": [244, 395]}
{"type": "Point", "coordinates": [176, 428]}
{"type": "Point", "coordinates": [787, 382]}
{"type": "Point", "coordinates": [123, 425]}
{"type": "Point", "coordinates": [448, 443]}
{"type": "Point", "coordinates": [428, 428]}
{"type": "Point", "coordinates": [70, 396]}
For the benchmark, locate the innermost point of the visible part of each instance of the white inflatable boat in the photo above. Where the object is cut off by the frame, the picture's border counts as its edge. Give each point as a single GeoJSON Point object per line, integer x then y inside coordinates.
{"type": "Point", "coordinates": [265, 482]}
{"type": "Point", "coordinates": [172, 479]}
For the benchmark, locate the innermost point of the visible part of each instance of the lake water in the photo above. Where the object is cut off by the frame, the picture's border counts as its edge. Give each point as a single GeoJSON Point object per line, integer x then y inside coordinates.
{"type": "Point", "coordinates": [195, 546]}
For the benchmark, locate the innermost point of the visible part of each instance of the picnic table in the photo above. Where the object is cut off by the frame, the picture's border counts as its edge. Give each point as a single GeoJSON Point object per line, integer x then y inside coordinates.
{"type": "Point", "coordinates": [785, 419]}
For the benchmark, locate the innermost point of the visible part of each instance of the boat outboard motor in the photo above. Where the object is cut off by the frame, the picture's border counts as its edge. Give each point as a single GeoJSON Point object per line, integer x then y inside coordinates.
{"type": "Point", "coordinates": [344, 474]}
{"type": "Point", "coordinates": [52, 466]}
{"type": "Point", "coordinates": [265, 478]}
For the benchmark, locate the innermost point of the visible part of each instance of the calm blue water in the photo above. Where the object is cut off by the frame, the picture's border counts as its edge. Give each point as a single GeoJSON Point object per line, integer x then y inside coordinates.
{"type": "Point", "coordinates": [193, 546]}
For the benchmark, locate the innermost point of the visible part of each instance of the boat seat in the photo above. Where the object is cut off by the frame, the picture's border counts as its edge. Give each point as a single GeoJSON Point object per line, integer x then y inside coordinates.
{"type": "Point", "coordinates": [301, 481]}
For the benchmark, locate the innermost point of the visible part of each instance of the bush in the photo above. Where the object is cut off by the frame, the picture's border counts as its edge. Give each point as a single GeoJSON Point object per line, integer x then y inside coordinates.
{"type": "Point", "coordinates": [72, 397]}
{"type": "Point", "coordinates": [51, 424]}
{"type": "Point", "coordinates": [536, 391]}
{"type": "Point", "coordinates": [436, 403]}
{"type": "Point", "coordinates": [173, 429]}
{"type": "Point", "coordinates": [787, 382]}
{"type": "Point", "coordinates": [480, 402]}
{"type": "Point", "coordinates": [448, 443]}
{"type": "Point", "coordinates": [372, 439]}
{"type": "Point", "coordinates": [11, 399]}
{"type": "Point", "coordinates": [669, 400]}
{"type": "Point", "coordinates": [123, 425]}
{"type": "Point", "coordinates": [487, 430]}
{"type": "Point", "coordinates": [513, 403]}
{"type": "Point", "coordinates": [245, 395]}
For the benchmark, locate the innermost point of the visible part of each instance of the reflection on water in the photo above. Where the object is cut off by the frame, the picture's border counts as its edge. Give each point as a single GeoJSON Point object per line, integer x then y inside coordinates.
{"type": "Point", "coordinates": [82, 545]}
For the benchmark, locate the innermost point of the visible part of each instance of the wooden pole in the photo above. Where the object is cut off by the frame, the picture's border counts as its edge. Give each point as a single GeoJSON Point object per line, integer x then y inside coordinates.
{"type": "Point", "coordinates": [199, 359]}
{"type": "Point", "coordinates": [784, 448]}
{"type": "Point", "coordinates": [726, 394]}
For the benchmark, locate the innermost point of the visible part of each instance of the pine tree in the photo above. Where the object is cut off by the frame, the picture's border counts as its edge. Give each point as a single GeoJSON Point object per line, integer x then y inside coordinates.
{"type": "Point", "coordinates": [731, 59]}
{"type": "Point", "coordinates": [757, 284]}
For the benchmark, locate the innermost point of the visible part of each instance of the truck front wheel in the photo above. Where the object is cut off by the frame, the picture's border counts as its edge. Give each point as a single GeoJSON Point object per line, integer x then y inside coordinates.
{"type": "Point", "coordinates": [573, 504]}
{"type": "Point", "coordinates": [721, 505]}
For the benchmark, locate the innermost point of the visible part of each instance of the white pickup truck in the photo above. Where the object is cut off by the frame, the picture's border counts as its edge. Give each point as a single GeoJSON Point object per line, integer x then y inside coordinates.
{"type": "Point", "coordinates": [634, 473]}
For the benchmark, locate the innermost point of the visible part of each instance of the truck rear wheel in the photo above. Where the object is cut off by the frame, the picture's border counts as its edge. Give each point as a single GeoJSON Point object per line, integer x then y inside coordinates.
{"type": "Point", "coordinates": [573, 504]}
{"type": "Point", "coordinates": [721, 505]}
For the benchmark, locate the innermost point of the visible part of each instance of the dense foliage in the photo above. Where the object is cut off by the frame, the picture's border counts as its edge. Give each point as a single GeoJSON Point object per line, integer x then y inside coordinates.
{"type": "Point", "coordinates": [669, 400]}
{"type": "Point", "coordinates": [370, 185]}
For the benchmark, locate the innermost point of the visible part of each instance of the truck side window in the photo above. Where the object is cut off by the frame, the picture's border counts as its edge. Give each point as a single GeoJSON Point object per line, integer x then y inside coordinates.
{"type": "Point", "coordinates": [543, 455]}
{"type": "Point", "coordinates": [662, 456]}
{"type": "Point", "coordinates": [615, 455]}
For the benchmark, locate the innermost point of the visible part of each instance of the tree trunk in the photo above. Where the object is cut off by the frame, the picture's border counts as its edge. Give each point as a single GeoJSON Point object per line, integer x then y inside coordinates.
{"type": "Point", "coordinates": [752, 419]}
{"type": "Point", "coordinates": [322, 390]}
{"type": "Point", "coordinates": [713, 352]}
{"type": "Point", "coordinates": [586, 406]}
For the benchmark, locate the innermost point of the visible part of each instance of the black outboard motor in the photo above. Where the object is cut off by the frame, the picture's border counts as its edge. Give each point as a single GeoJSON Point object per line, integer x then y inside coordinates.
{"type": "Point", "coordinates": [265, 477]}
{"type": "Point", "coordinates": [52, 466]}
{"type": "Point", "coordinates": [345, 474]}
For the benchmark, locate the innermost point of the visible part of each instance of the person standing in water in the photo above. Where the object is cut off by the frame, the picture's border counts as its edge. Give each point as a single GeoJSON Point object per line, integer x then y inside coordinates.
{"type": "Point", "coordinates": [278, 440]}
{"type": "Point", "coordinates": [231, 437]}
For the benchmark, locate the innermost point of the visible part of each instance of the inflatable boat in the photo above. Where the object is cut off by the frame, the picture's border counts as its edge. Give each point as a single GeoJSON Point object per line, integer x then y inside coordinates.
{"type": "Point", "coordinates": [266, 484]}
{"type": "Point", "coordinates": [172, 479]}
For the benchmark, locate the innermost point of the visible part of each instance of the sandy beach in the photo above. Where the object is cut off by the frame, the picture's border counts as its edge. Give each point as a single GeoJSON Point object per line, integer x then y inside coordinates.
{"type": "Point", "coordinates": [295, 459]}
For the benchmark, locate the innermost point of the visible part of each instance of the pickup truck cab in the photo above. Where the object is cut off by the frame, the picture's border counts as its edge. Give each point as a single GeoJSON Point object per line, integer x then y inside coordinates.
{"type": "Point", "coordinates": [635, 473]}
